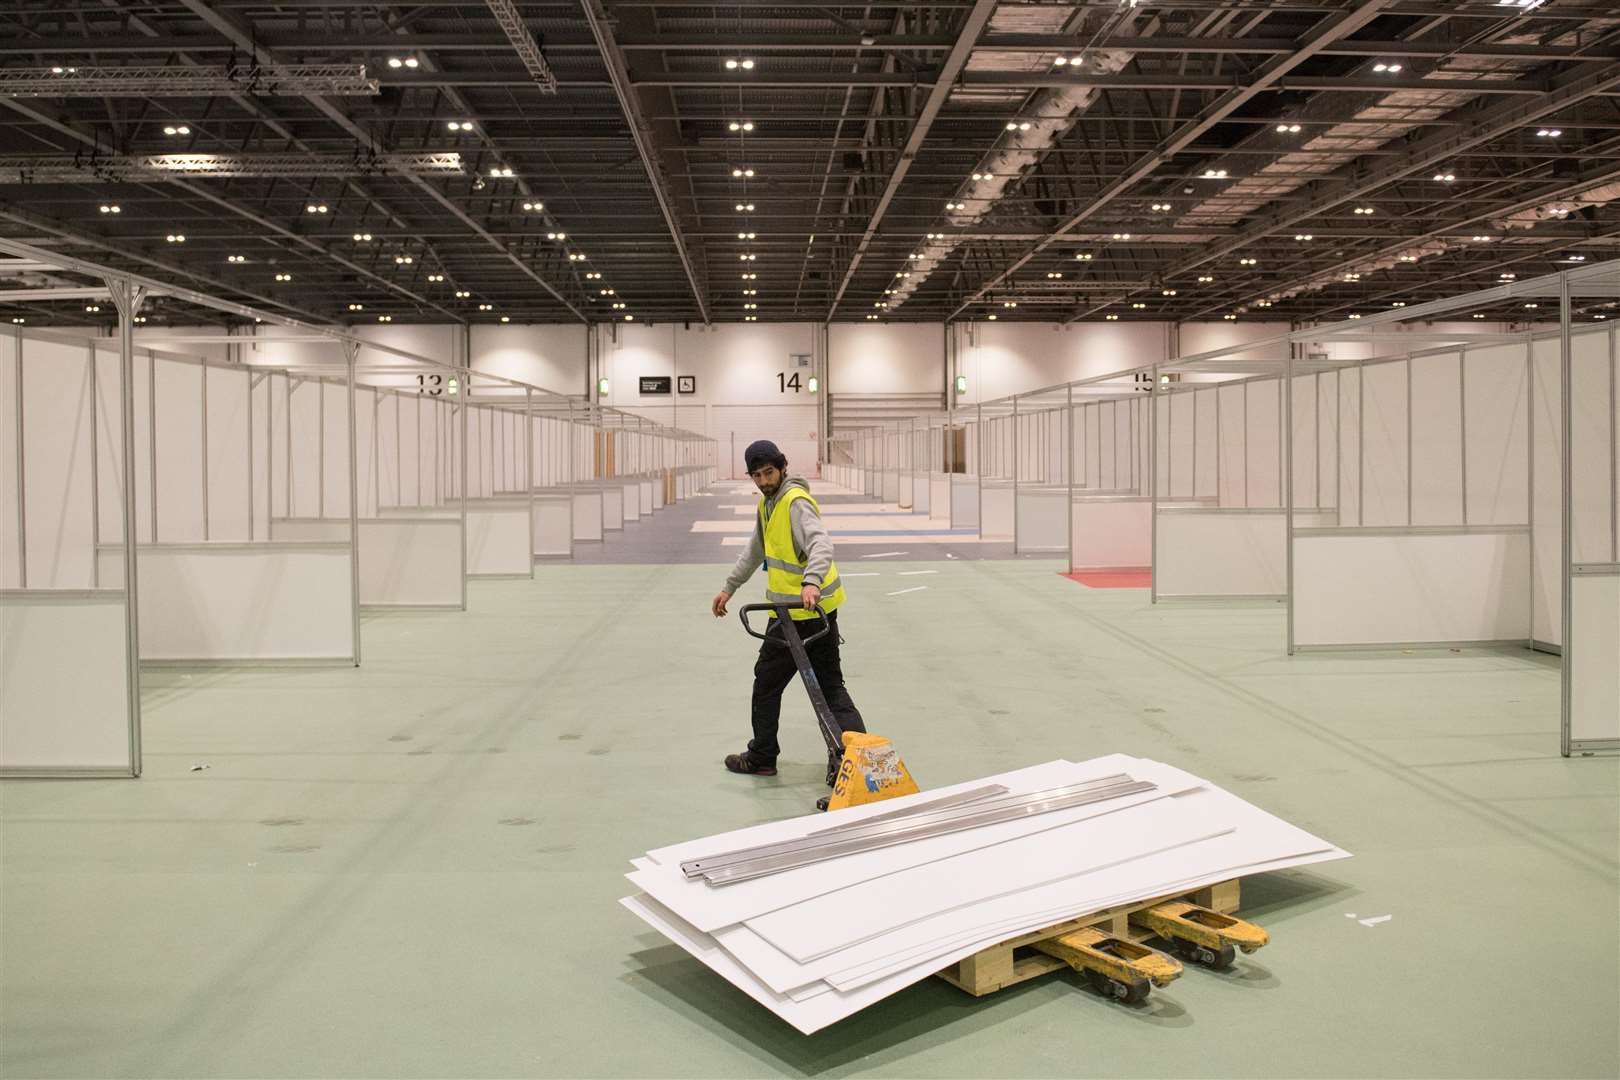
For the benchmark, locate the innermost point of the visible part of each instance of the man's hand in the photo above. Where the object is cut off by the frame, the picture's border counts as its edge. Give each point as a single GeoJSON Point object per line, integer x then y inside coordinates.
{"type": "Point", "coordinates": [810, 596]}
{"type": "Point", "coordinates": [719, 605]}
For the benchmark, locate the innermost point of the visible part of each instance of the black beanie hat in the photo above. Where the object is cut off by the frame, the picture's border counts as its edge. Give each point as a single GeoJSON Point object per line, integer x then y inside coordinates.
{"type": "Point", "coordinates": [763, 452]}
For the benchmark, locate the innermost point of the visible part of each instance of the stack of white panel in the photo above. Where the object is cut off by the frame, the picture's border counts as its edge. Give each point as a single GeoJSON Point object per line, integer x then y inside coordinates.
{"type": "Point", "coordinates": [819, 942]}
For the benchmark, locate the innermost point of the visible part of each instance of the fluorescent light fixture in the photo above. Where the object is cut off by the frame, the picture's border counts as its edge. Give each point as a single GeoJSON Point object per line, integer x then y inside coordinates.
{"type": "Point", "coordinates": [961, 384]}
{"type": "Point", "coordinates": [814, 385]}
{"type": "Point", "coordinates": [991, 317]}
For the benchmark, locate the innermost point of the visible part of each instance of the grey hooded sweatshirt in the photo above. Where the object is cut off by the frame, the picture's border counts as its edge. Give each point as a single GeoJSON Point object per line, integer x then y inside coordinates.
{"type": "Point", "coordinates": [810, 541]}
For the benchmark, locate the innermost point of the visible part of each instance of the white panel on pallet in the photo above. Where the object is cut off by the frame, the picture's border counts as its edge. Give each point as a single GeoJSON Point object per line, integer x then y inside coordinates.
{"type": "Point", "coordinates": [64, 697]}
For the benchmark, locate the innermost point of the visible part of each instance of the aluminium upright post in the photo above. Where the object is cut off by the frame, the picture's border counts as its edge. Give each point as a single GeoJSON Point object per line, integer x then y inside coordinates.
{"type": "Point", "coordinates": [1068, 469]}
{"type": "Point", "coordinates": [528, 466]}
{"type": "Point", "coordinates": [1153, 485]}
{"type": "Point", "coordinates": [22, 472]}
{"type": "Point", "coordinates": [202, 382]}
{"type": "Point", "coordinates": [1288, 491]}
{"type": "Point", "coordinates": [1016, 463]}
{"type": "Point", "coordinates": [466, 398]}
{"type": "Point", "coordinates": [1566, 491]}
{"type": "Point", "coordinates": [95, 471]}
{"type": "Point", "coordinates": [350, 350]}
{"type": "Point", "coordinates": [127, 298]}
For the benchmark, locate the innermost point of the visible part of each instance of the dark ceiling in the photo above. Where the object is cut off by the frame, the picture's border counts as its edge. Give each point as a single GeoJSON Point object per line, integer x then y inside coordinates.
{"type": "Point", "coordinates": [1161, 177]}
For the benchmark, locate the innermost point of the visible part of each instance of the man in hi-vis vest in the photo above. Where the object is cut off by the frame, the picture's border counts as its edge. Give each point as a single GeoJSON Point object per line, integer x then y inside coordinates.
{"type": "Point", "coordinates": [791, 542]}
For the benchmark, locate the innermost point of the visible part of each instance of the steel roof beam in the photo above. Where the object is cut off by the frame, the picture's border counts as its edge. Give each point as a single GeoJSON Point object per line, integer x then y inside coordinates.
{"type": "Point", "coordinates": [967, 37]}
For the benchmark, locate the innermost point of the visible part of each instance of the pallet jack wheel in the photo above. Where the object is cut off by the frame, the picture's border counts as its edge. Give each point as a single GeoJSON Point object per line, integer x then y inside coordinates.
{"type": "Point", "coordinates": [821, 803]}
{"type": "Point", "coordinates": [1215, 960]}
{"type": "Point", "coordinates": [1131, 993]}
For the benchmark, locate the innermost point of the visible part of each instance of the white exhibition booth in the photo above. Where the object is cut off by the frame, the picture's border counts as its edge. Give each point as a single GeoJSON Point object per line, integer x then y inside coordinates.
{"type": "Point", "coordinates": [242, 504]}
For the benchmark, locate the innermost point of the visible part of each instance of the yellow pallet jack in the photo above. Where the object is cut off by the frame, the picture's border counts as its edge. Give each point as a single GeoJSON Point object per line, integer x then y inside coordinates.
{"type": "Point", "coordinates": [861, 768]}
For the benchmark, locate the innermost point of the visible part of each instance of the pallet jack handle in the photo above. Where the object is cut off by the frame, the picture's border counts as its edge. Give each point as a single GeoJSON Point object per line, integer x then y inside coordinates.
{"type": "Point", "coordinates": [783, 612]}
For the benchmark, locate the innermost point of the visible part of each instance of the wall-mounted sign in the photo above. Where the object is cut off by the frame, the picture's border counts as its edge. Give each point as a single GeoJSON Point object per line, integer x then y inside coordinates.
{"type": "Point", "coordinates": [686, 384]}
{"type": "Point", "coordinates": [655, 384]}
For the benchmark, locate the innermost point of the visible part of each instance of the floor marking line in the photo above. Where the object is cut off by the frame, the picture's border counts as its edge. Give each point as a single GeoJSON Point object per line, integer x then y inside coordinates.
{"type": "Point", "coordinates": [914, 573]}
{"type": "Point", "coordinates": [883, 555]}
{"type": "Point", "coordinates": [902, 592]}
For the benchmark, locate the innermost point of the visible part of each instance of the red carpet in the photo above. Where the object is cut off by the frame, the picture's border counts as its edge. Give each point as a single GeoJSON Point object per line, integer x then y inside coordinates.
{"type": "Point", "coordinates": [1113, 579]}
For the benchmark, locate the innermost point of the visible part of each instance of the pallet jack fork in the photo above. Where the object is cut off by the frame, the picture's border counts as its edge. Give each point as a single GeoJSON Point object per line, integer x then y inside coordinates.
{"type": "Point", "coordinates": [1113, 966]}
{"type": "Point", "coordinates": [861, 768]}
{"type": "Point", "coordinates": [1199, 934]}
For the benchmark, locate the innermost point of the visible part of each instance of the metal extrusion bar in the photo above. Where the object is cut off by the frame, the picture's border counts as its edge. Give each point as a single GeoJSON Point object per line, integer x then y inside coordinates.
{"type": "Point", "coordinates": [510, 20]}
{"type": "Point", "coordinates": [116, 168]}
{"type": "Point", "coordinates": [920, 828]}
{"type": "Point", "coordinates": [777, 863]}
{"type": "Point", "coordinates": [963, 798]}
{"type": "Point", "coordinates": [874, 826]}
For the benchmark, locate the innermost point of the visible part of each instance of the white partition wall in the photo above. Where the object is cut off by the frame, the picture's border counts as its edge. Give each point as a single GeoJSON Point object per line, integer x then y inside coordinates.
{"type": "Point", "coordinates": [69, 684]}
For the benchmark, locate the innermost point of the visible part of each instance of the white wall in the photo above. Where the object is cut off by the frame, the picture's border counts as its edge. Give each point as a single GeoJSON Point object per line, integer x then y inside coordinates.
{"type": "Point", "coordinates": [551, 357]}
{"type": "Point", "coordinates": [1011, 358]}
{"type": "Point", "coordinates": [886, 358]}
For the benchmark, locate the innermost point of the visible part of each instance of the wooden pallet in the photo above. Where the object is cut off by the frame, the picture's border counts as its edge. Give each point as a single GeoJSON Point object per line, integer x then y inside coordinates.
{"type": "Point", "coordinates": [1012, 961]}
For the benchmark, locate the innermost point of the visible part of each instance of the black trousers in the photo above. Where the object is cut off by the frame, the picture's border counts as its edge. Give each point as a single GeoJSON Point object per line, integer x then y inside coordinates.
{"type": "Point", "coordinates": [775, 669]}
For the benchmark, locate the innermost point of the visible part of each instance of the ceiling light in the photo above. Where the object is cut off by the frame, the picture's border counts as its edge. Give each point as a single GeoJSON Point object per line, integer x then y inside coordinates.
{"type": "Point", "coordinates": [1009, 303]}
{"type": "Point", "coordinates": [745, 208]}
{"type": "Point", "coordinates": [1167, 292]}
{"type": "Point", "coordinates": [534, 207]}
{"type": "Point", "coordinates": [1365, 210]}
{"type": "Point", "coordinates": [746, 318]}
{"type": "Point", "coordinates": [362, 237]}
{"type": "Point", "coordinates": [745, 258]}
{"type": "Point", "coordinates": [1214, 174]}
{"type": "Point", "coordinates": [956, 206]}
{"type": "Point", "coordinates": [486, 307]}
{"type": "Point", "coordinates": [1398, 303]}
{"type": "Point", "coordinates": [869, 317]}
{"type": "Point", "coordinates": [1018, 125]}
{"type": "Point", "coordinates": [1053, 274]}
{"type": "Point", "coordinates": [403, 260]}
{"type": "Point", "coordinates": [755, 292]}
{"type": "Point", "coordinates": [903, 273]}
{"type": "Point", "coordinates": [733, 65]}
{"type": "Point", "coordinates": [1549, 133]}
{"type": "Point", "coordinates": [315, 208]}
{"type": "Point", "coordinates": [357, 307]}
{"type": "Point", "coordinates": [750, 307]}
{"type": "Point", "coordinates": [1480, 239]}
{"type": "Point", "coordinates": [1352, 277]}
{"type": "Point", "coordinates": [1205, 279]}
{"type": "Point", "coordinates": [1532, 305]}
{"type": "Point", "coordinates": [385, 318]}
{"type": "Point", "coordinates": [1506, 277]}
{"type": "Point", "coordinates": [1303, 236]}
{"type": "Point", "coordinates": [1161, 206]}
{"type": "Point", "coordinates": [92, 307]}
{"type": "Point", "coordinates": [1445, 177]}
{"type": "Point", "coordinates": [740, 172]}
{"type": "Point", "coordinates": [745, 236]}
{"type": "Point", "coordinates": [1287, 129]}
{"type": "Point", "coordinates": [618, 306]}
{"type": "Point", "coordinates": [462, 294]}
{"type": "Point", "coordinates": [236, 258]}
{"type": "Point", "coordinates": [1122, 236]}
{"type": "Point", "coordinates": [140, 318]}
{"type": "Point", "coordinates": [20, 321]}
{"type": "Point", "coordinates": [981, 176]}
{"type": "Point", "coordinates": [1139, 305]}
{"type": "Point", "coordinates": [403, 61]}
{"type": "Point", "coordinates": [176, 238]}
{"type": "Point", "coordinates": [556, 236]}
{"type": "Point", "coordinates": [1391, 68]}
{"type": "Point", "coordinates": [1355, 316]}
{"type": "Point", "coordinates": [1572, 258]}
{"type": "Point", "coordinates": [460, 125]}
{"type": "Point", "coordinates": [111, 208]}
{"type": "Point", "coordinates": [1229, 317]}
{"type": "Point", "coordinates": [576, 256]}
{"type": "Point", "coordinates": [1248, 262]}
{"type": "Point", "coordinates": [1478, 315]}
{"type": "Point", "coordinates": [176, 129]}
{"type": "Point", "coordinates": [749, 277]}
{"type": "Point", "coordinates": [283, 277]}
{"type": "Point", "coordinates": [506, 318]}
{"type": "Point", "coordinates": [1262, 303]}
{"type": "Point", "coordinates": [1600, 316]}
{"type": "Point", "coordinates": [435, 277]}
{"type": "Point", "coordinates": [741, 125]}
{"type": "Point", "coordinates": [501, 172]}
{"type": "Point", "coordinates": [1407, 258]}
{"type": "Point", "coordinates": [1060, 61]}
{"type": "Point", "coordinates": [992, 316]}
{"type": "Point", "coordinates": [1083, 256]}
{"type": "Point", "coordinates": [1112, 318]}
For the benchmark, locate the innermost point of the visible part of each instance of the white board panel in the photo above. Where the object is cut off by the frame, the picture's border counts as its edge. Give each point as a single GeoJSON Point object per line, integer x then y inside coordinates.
{"type": "Point", "coordinates": [245, 602]}
{"type": "Point", "coordinates": [1593, 652]}
{"type": "Point", "coordinates": [631, 500]}
{"type": "Point", "coordinates": [588, 513]}
{"type": "Point", "coordinates": [1383, 469]}
{"type": "Point", "coordinates": [1307, 454]}
{"type": "Point", "coordinates": [498, 538]}
{"type": "Point", "coordinates": [410, 562]}
{"type": "Point", "coordinates": [229, 482]}
{"type": "Point", "coordinates": [1263, 443]}
{"type": "Point", "coordinates": [1592, 455]}
{"type": "Point", "coordinates": [64, 699]}
{"type": "Point", "coordinates": [1497, 412]}
{"type": "Point", "coordinates": [1111, 534]}
{"type": "Point", "coordinates": [964, 501]}
{"type": "Point", "coordinates": [921, 493]}
{"type": "Point", "coordinates": [1547, 573]}
{"type": "Point", "coordinates": [1348, 409]}
{"type": "Point", "coordinates": [56, 408]}
{"type": "Point", "coordinates": [996, 504]}
{"type": "Point", "coordinates": [553, 526]}
{"type": "Point", "coordinates": [1445, 587]}
{"type": "Point", "coordinates": [1042, 522]}
{"type": "Point", "coordinates": [180, 454]}
{"type": "Point", "coordinates": [1437, 437]}
{"type": "Point", "coordinates": [612, 496]}
{"type": "Point", "coordinates": [939, 497]}
{"type": "Point", "coordinates": [1233, 479]}
{"type": "Point", "coordinates": [645, 488]}
{"type": "Point", "coordinates": [1221, 553]}
{"type": "Point", "coordinates": [301, 466]}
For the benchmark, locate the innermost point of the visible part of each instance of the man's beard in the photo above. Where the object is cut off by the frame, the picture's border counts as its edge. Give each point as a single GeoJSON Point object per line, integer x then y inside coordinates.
{"type": "Point", "coordinates": [770, 492]}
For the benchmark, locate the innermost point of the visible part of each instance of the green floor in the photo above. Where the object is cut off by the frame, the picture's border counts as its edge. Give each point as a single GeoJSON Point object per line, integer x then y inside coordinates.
{"type": "Point", "coordinates": [410, 869]}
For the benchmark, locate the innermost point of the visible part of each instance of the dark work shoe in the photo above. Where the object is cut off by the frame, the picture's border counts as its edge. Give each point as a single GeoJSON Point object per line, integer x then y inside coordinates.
{"type": "Point", "coordinates": [746, 762]}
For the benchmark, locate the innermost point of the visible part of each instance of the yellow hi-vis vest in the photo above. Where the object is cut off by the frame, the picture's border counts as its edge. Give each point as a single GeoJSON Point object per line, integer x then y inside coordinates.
{"type": "Point", "coordinates": [784, 574]}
